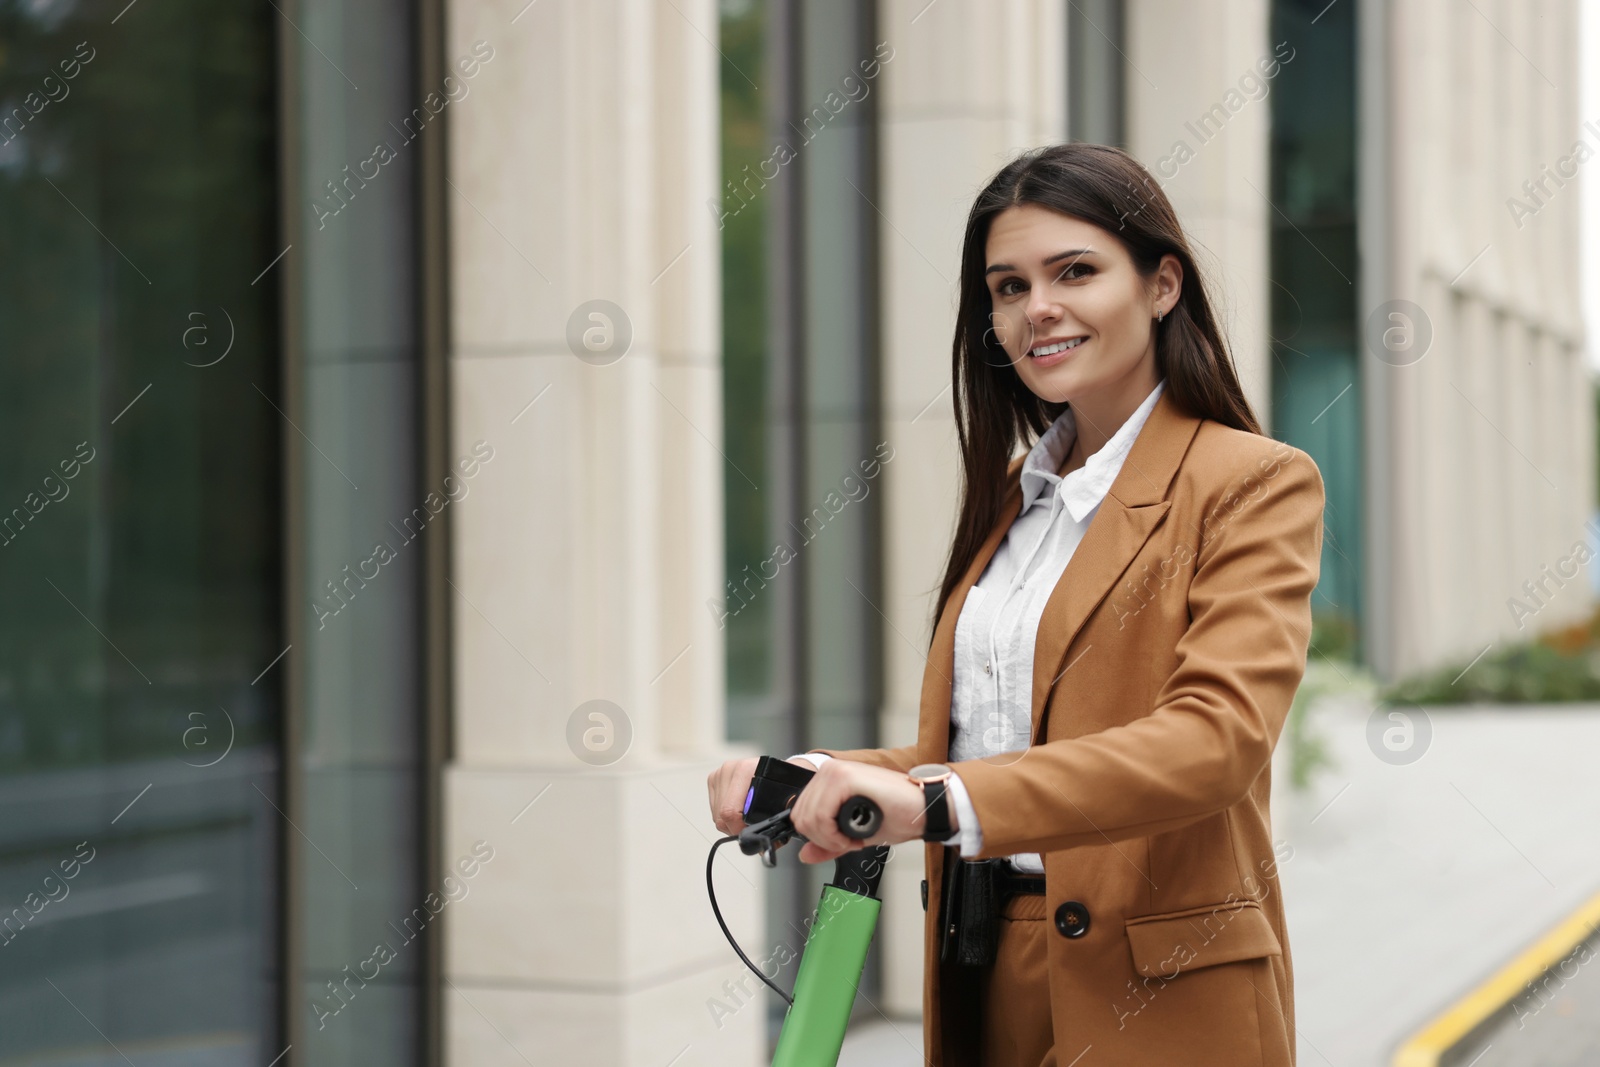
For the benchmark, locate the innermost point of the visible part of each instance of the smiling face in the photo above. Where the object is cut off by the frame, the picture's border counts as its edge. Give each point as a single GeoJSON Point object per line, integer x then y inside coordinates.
{"type": "Point", "coordinates": [1074, 316]}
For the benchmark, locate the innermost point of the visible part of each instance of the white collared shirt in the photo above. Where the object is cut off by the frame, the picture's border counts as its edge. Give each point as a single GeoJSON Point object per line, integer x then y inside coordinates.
{"type": "Point", "coordinates": [991, 706]}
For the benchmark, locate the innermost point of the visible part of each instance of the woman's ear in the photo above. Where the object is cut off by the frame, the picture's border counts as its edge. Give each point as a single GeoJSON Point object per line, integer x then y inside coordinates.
{"type": "Point", "coordinates": [1169, 282]}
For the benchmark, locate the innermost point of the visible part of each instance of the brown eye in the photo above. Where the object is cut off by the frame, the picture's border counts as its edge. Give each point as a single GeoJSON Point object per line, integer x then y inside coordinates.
{"type": "Point", "coordinates": [1004, 291]}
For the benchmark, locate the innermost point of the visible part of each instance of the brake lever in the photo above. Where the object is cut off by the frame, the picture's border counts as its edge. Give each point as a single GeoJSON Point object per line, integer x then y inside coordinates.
{"type": "Point", "coordinates": [767, 836]}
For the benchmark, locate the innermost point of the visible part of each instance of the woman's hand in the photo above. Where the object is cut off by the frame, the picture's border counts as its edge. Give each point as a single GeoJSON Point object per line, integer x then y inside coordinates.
{"type": "Point", "coordinates": [817, 811]}
{"type": "Point", "coordinates": [726, 788]}
{"type": "Point", "coordinates": [729, 784]}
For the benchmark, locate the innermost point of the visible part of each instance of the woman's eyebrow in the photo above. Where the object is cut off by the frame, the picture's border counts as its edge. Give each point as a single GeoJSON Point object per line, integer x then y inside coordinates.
{"type": "Point", "coordinates": [994, 268]}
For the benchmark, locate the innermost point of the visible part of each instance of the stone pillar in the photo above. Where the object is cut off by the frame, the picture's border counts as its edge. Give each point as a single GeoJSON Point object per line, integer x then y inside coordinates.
{"type": "Point", "coordinates": [1194, 123]}
{"type": "Point", "coordinates": [1486, 484]}
{"type": "Point", "coordinates": [586, 359]}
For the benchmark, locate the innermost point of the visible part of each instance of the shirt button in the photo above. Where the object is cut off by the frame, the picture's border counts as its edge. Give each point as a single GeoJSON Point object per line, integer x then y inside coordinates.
{"type": "Point", "coordinates": [986, 667]}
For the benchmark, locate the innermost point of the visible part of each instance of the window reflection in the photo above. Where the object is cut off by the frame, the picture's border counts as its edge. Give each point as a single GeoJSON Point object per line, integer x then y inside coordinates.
{"type": "Point", "coordinates": [139, 539]}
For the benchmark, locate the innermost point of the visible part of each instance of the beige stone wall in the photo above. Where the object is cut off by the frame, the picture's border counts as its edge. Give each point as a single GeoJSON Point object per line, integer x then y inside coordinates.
{"type": "Point", "coordinates": [580, 167]}
{"type": "Point", "coordinates": [1206, 140]}
{"type": "Point", "coordinates": [1483, 447]}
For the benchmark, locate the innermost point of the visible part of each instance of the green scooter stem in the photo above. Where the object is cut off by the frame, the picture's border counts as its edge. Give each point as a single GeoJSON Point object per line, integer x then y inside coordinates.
{"type": "Point", "coordinates": [835, 951]}
{"type": "Point", "coordinates": [825, 987]}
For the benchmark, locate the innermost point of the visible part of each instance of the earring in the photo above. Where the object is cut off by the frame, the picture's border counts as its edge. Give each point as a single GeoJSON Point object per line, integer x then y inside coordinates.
{"type": "Point", "coordinates": [1161, 316]}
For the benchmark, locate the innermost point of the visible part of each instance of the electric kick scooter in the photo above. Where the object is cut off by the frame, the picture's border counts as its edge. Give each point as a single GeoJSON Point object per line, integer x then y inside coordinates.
{"type": "Point", "coordinates": [847, 915]}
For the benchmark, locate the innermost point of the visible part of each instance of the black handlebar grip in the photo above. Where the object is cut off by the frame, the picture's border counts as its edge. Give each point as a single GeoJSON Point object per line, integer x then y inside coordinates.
{"type": "Point", "coordinates": [860, 818]}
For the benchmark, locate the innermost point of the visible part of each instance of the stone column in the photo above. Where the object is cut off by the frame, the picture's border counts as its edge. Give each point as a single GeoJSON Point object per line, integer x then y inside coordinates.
{"type": "Point", "coordinates": [1486, 485]}
{"type": "Point", "coordinates": [1193, 122]}
{"type": "Point", "coordinates": [588, 674]}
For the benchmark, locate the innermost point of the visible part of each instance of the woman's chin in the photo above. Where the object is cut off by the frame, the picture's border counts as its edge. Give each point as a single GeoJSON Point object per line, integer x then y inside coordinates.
{"type": "Point", "coordinates": [1054, 386]}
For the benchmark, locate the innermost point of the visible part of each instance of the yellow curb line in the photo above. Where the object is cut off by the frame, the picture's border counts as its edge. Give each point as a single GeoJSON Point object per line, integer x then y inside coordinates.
{"type": "Point", "coordinates": [1425, 1048]}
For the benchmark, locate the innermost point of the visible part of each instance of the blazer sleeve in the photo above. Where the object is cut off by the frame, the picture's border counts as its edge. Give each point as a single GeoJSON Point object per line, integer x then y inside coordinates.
{"type": "Point", "coordinates": [894, 759]}
{"type": "Point", "coordinates": [1216, 718]}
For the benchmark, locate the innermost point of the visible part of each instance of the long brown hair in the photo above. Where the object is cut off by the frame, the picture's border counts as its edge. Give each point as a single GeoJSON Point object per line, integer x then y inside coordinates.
{"type": "Point", "coordinates": [995, 411]}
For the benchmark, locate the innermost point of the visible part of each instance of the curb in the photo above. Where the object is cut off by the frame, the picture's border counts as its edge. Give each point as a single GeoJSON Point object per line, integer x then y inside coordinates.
{"type": "Point", "coordinates": [1455, 1024]}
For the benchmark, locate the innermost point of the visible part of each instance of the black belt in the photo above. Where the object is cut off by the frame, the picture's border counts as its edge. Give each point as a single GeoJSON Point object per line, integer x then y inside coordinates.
{"type": "Point", "coordinates": [1010, 881]}
{"type": "Point", "coordinates": [973, 897]}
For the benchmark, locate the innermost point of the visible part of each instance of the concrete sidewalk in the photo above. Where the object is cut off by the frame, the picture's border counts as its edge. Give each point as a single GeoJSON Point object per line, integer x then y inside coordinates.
{"type": "Point", "coordinates": [884, 1043]}
{"type": "Point", "coordinates": [1409, 882]}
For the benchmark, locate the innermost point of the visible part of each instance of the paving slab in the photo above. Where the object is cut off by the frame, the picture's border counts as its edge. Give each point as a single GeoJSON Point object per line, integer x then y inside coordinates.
{"type": "Point", "coordinates": [1411, 882]}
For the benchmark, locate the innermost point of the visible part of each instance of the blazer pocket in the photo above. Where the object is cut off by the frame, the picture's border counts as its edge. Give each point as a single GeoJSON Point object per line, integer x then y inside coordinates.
{"type": "Point", "coordinates": [1167, 944]}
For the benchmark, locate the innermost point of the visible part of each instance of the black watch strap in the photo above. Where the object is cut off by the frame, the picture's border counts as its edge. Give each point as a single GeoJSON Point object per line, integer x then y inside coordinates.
{"type": "Point", "coordinates": [936, 810]}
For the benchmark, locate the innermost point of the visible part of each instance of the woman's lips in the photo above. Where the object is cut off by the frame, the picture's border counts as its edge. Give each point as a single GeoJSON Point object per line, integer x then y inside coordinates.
{"type": "Point", "coordinates": [1055, 357]}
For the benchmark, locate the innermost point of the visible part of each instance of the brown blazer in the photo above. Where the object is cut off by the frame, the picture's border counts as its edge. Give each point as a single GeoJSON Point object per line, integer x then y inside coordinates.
{"type": "Point", "coordinates": [1165, 664]}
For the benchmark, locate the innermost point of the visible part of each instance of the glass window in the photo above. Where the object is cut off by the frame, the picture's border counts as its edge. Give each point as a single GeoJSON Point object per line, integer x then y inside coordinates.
{"type": "Point", "coordinates": [1316, 386]}
{"type": "Point", "coordinates": [1096, 70]}
{"type": "Point", "coordinates": [364, 928]}
{"type": "Point", "coordinates": [139, 534]}
{"type": "Point", "coordinates": [747, 170]}
{"type": "Point", "coordinates": [801, 422]}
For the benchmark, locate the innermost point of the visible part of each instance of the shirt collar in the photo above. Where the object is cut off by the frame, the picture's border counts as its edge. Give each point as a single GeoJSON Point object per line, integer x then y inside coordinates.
{"type": "Point", "coordinates": [1081, 490]}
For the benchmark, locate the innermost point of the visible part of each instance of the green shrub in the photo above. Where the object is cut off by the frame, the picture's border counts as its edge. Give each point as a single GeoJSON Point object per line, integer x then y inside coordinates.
{"type": "Point", "coordinates": [1554, 666]}
{"type": "Point", "coordinates": [1330, 669]}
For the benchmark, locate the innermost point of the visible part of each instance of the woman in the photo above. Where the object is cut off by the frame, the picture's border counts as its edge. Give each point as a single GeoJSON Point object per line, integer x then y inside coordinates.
{"type": "Point", "coordinates": [1121, 628]}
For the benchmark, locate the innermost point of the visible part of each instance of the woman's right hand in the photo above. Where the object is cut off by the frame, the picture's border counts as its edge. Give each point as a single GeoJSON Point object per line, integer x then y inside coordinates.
{"type": "Point", "coordinates": [727, 786]}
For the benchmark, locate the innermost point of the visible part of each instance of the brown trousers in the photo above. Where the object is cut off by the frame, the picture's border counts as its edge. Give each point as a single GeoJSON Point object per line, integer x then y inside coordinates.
{"type": "Point", "coordinates": [1016, 990]}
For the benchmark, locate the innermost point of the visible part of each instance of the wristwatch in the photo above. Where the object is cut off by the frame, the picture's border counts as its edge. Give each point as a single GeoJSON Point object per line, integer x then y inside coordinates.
{"type": "Point", "coordinates": [936, 808]}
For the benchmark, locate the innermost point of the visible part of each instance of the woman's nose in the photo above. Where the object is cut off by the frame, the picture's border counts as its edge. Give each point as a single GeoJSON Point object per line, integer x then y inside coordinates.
{"type": "Point", "coordinates": [1043, 309]}
{"type": "Point", "coordinates": [1042, 318]}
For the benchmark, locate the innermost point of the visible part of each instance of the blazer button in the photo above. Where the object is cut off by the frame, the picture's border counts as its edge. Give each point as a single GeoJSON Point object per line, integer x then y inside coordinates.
{"type": "Point", "coordinates": [1072, 919]}
{"type": "Point", "coordinates": [924, 894]}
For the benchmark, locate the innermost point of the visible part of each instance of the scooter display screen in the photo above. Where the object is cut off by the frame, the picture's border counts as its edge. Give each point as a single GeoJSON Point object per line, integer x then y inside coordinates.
{"type": "Point", "coordinates": [775, 787]}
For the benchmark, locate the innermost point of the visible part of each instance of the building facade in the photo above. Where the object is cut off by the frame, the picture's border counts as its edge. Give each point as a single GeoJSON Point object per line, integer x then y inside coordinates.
{"type": "Point", "coordinates": [445, 431]}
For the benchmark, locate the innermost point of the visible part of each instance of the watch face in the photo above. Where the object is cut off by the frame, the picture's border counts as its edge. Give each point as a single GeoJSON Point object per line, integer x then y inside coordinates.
{"type": "Point", "coordinates": [929, 772]}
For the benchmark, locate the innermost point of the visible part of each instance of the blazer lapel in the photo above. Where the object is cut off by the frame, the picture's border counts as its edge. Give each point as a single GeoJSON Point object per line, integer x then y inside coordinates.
{"type": "Point", "coordinates": [1132, 509]}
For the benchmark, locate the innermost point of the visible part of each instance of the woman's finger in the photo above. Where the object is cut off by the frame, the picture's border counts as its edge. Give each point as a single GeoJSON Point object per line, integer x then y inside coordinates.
{"type": "Point", "coordinates": [814, 853]}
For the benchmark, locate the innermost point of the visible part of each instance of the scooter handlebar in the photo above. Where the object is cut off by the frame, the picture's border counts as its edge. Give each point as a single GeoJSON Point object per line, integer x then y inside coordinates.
{"type": "Point", "coordinates": [774, 788]}
{"type": "Point", "coordinates": [859, 818]}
